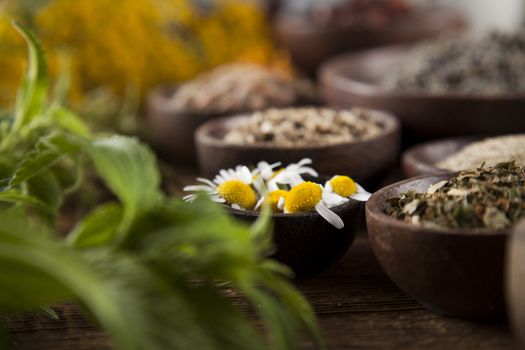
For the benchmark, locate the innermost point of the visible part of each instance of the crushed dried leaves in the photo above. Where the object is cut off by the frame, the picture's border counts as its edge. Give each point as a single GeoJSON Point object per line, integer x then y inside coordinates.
{"type": "Point", "coordinates": [486, 197]}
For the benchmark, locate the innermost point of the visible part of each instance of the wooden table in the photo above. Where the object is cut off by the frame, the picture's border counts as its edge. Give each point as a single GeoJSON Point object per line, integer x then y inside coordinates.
{"type": "Point", "coordinates": [357, 305]}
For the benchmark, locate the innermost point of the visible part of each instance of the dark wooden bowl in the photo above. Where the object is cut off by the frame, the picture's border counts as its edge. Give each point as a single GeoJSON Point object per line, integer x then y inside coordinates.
{"type": "Point", "coordinates": [515, 286]}
{"type": "Point", "coordinates": [310, 45]}
{"type": "Point", "coordinates": [170, 130]}
{"type": "Point", "coordinates": [306, 242]}
{"type": "Point", "coordinates": [421, 159]}
{"type": "Point", "coordinates": [361, 160]}
{"type": "Point", "coordinates": [352, 80]}
{"type": "Point", "coordinates": [451, 272]}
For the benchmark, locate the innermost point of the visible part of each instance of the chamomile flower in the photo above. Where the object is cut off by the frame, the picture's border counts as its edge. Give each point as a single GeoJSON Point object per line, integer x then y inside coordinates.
{"type": "Point", "coordinates": [291, 175]}
{"type": "Point", "coordinates": [306, 197]}
{"type": "Point", "coordinates": [345, 187]}
{"type": "Point", "coordinates": [231, 186]}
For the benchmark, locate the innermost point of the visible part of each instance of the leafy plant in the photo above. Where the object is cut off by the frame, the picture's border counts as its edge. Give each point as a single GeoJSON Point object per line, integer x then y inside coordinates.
{"type": "Point", "coordinates": [150, 270]}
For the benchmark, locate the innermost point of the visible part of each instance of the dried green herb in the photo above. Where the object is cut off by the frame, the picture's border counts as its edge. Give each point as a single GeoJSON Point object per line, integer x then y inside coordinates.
{"type": "Point", "coordinates": [487, 197]}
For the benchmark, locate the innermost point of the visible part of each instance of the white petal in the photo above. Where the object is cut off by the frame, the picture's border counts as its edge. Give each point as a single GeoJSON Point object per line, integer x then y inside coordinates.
{"type": "Point", "coordinates": [206, 181]}
{"type": "Point", "coordinates": [197, 188]}
{"type": "Point", "coordinates": [333, 199]}
{"type": "Point", "coordinates": [224, 174]}
{"type": "Point", "coordinates": [189, 198]}
{"type": "Point", "coordinates": [328, 187]}
{"type": "Point", "coordinates": [219, 179]}
{"type": "Point", "coordinates": [259, 185]}
{"type": "Point", "coordinates": [272, 186]}
{"type": "Point", "coordinates": [304, 161]}
{"type": "Point", "coordinates": [362, 197]}
{"type": "Point", "coordinates": [259, 203]}
{"type": "Point", "coordinates": [330, 216]}
{"type": "Point", "coordinates": [245, 175]}
{"type": "Point", "coordinates": [308, 170]}
{"type": "Point", "coordinates": [217, 199]}
{"type": "Point", "coordinates": [236, 206]}
{"type": "Point", "coordinates": [360, 189]}
{"type": "Point", "coordinates": [280, 203]}
{"type": "Point", "coordinates": [296, 180]}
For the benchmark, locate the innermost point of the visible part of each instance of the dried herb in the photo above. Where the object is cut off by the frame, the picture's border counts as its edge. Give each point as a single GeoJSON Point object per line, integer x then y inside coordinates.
{"type": "Point", "coordinates": [487, 197]}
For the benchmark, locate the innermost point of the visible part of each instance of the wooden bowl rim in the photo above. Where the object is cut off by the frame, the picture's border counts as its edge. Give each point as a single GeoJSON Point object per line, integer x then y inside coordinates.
{"type": "Point", "coordinates": [157, 99]}
{"type": "Point", "coordinates": [352, 203]}
{"type": "Point", "coordinates": [331, 74]}
{"type": "Point", "coordinates": [428, 18]}
{"type": "Point", "coordinates": [204, 134]}
{"type": "Point", "coordinates": [376, 204]}
{"type": "Point", "coordinates": [410, 155]}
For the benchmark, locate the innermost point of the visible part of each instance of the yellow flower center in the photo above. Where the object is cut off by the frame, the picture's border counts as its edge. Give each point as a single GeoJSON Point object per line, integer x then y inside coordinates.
{"type": "Point", "coordinates": [237, 192]}
{"type": "Point", "coordinates": [273, 198]}
{"type": "Point", "coordinates": [303, 197]}
{"type": "Point", "coordinates": [343, 186]}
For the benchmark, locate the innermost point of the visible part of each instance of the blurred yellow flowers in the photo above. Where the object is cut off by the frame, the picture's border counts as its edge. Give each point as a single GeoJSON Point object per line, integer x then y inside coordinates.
{"type": "Point", "coordinates": [138, 43]}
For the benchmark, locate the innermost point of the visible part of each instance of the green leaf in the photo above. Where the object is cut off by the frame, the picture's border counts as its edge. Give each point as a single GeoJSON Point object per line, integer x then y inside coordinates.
{"type": "Point", "coordinates": [129, 169]}
{"type": "Point", "coordinates": [68, 120]}
{"type": "Point", "coordinates": [98, 228]}
{"type": "Point", "coordinates": [17, 197]}
{"type": "Point", "coordinates": [46, 153]}
{"type": "Point", "coordinates": [46, 188]}
{"type": "Point", "coordinates": [32, 95]}
{"type": "Point", "coordinates": [47, 310]}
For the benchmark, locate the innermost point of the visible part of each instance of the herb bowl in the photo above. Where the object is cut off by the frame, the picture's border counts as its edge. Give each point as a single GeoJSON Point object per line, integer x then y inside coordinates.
{"type": "Point", "coordinates": [170, 130]}
{"type": "Point", "coordinates": [354, 79]}
{"type": "Point", "coordinates": [310, 44]}
{"type": "Point", "coordinates": [363, 160]}
{"type": "Point", "coordinates": [421, 159]}
{"type": "Point", "coordinates": [454, 272]}
{"type": "Point", "coordinates": [515, 286]}
{"type": "Point", "coordinates": [306, 242]}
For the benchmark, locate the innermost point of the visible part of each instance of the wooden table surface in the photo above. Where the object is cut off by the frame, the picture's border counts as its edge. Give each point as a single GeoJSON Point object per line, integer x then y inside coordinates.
{"type": "Point", "coordinates": [357, 305]}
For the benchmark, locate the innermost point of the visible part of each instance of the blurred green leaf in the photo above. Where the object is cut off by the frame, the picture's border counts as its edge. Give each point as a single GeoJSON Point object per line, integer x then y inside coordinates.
{"type": "Point", "coordinates": [46, 153]}
{"type": "Point", "coordinates": [68, 120]}
{"type": "Point", "coordinates": [32, 95]}
{"type": "Point", "coordinates": [17, 197]}
{"type": "Point", "coordinates": [98, 228]}
{"type": "Point", "coordinates": [129, 169]}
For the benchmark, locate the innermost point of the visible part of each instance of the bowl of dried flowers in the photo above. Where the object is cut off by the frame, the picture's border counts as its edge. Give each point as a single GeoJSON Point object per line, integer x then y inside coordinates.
{"type": "Point", "coordinates": [456, 154]}
{"type": "Point", "coordinates": [360, 142]}
{"type": "Point", "coordinates": [442, 238]}
{"type": "Point", "coordinates": [175, 111]}
{"type": "Point", "coordinates": [315, 217]}
{"type": "Point", "coordinates": [453, 86]}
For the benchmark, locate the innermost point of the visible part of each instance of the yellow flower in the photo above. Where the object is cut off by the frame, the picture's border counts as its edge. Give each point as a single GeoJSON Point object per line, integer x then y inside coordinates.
{"type": "Point", "coordinates": [343, 185]}
{"type": "Point", "coordinates": [274, 197]}
{"type": "Point", "coordinates": [303, 197]}
{"type": "Point", "coordinates": [237, 192]}
{"type": "Point", "coordinates": [123, 44]}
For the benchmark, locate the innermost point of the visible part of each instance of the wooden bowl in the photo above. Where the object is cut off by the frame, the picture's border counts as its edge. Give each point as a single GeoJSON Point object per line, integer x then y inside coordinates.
{"type": "Point", "coordinates": [362, 160]}
{"type": "Point", "coordinates": [421, 159]}
{"type": "Point", "coordinates": [170, 130]}
{"type": "Point", "coordinates": [310, 45]}
{"type": "Point", "coordinates": [306, 242]}
{"type": "Point", "coordinates": [449, 271]}
{"type": "Point", "coordinates": [515, 286]}
{"type": "Point", "coordinates": [353, 79]}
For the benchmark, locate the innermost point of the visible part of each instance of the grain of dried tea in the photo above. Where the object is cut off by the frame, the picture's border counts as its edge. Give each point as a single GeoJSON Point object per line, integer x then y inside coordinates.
{"type": "Point", "coordinates": [487, 197]}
